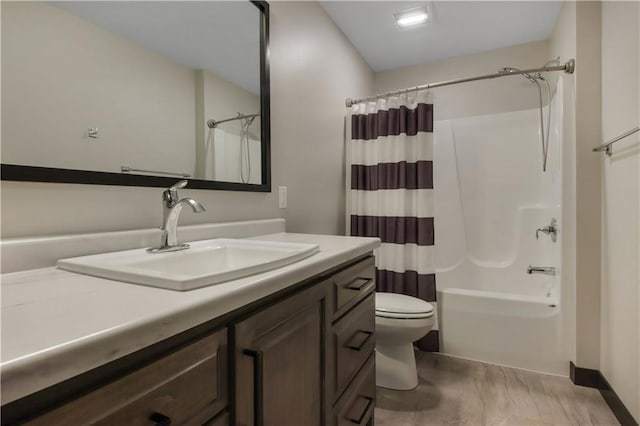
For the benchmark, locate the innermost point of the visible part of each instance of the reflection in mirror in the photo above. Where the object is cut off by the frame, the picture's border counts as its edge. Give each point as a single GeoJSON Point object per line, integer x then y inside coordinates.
{"type": "Point", "coordinates": [163, 88]}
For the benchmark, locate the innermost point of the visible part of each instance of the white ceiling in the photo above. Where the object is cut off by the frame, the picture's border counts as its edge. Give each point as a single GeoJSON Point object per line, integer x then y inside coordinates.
{"type": "Point", "coordinates": [457, 28]}
{"type": "Point", "coordinates": [222, 37]}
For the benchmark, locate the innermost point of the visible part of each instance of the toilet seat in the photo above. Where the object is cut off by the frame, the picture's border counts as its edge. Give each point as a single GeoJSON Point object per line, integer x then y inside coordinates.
{"type": "Point", "coordinates": [401, 306]}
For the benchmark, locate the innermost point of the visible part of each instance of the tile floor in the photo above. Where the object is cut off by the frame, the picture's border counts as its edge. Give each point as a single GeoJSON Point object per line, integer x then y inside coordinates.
{"type": "Point", "coordinates": [459, 392]}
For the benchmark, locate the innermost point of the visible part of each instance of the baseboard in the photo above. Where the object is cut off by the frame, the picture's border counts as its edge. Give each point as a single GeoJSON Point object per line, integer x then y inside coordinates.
{"type": "Point", "coordinates": [594, 379]}
{"type": "Point", "coordinates": [585, 376]}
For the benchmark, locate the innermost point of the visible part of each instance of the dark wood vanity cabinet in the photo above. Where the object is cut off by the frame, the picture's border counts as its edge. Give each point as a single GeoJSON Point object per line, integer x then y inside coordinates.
{"type": "Point", "coordinates": [303, 358]}
{"type": "Point", "coordinates": [309, 359]}
{"type": "Point", "coordinates": [280, 366]}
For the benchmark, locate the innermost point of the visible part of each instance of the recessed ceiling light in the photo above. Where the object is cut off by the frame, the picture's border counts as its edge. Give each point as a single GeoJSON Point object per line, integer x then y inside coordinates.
{"type": "Point", "coordinates": [412, 18]}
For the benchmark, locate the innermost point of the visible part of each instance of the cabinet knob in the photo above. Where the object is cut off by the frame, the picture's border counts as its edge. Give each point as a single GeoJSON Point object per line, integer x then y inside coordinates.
{"type": "Point", "coordinates": [160, 419]}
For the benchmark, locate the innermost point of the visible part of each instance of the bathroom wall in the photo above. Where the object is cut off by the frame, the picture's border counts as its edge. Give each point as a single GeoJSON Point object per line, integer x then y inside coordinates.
{"type": "Point", "coordinates": [600, 249]}
{"type": "Point", "coordinates": [588, 181]}
{"type": "Point", "coordinates": [620, 331]}
{"type": "Point", "coordinates": [563, 43]}
{"type": "Point", "coordinates": [475, 98]}
{"type": "Point", "coordinates": [577, 34]}
{"type": "Point", "coordinates": [313, 68]}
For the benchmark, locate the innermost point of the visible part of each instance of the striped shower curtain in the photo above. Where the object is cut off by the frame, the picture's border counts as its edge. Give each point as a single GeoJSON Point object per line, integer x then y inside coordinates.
{"type": "Point", "coordinates": [391, 195]}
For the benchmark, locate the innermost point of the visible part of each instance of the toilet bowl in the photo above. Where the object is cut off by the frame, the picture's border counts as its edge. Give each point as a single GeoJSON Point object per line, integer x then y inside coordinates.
{"type": "Point", "coordinates": [400, 321]}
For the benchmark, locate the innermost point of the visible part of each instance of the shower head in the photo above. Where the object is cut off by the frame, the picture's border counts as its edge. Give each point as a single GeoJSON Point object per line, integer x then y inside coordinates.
{"type": "Point", "coordinates": [537, 78]}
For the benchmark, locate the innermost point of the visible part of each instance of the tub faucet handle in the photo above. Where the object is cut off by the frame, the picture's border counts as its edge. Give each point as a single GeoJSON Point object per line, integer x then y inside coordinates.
{"type": "Point", "coordinates": [551, 230]}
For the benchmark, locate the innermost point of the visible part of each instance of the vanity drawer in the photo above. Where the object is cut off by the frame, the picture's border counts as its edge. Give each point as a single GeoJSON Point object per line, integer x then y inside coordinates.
{"type": "Point", "coordinates": [352, 285]}
{"type": "Point", "coordinates": [353, 342]}
{"type": "Point", "coordinates": [188, 386]}
{"type": "Point", "coordinates": [357, 404]}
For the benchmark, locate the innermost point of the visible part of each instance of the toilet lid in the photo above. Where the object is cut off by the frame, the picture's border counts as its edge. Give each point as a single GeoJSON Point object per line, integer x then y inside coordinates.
{"type": "Point", "coordinates": [393, 305]}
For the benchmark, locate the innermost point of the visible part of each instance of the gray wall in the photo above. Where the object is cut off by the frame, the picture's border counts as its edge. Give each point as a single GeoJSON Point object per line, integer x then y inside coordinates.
{"type": "Point", "coordinates": [313, 68]}
{"type": "Point", "coordinates": [620, 307]}
{"type": "Point", "coordinates": [563, 43]}
{"type": "Point", "coordinates": [588, 178]}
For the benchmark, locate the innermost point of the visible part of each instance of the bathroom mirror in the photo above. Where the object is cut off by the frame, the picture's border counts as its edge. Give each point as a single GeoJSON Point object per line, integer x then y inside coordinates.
{"type": "Point", "coordinates": [139, 93]}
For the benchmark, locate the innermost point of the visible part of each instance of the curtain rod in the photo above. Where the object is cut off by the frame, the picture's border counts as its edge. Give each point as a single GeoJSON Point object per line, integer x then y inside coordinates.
{"type": "Point", "coordinates": [213, 123]}
{"type": "Point", "coordinates": [569, 67]}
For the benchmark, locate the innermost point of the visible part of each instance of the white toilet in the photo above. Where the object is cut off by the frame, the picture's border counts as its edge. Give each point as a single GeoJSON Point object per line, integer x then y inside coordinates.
{"type": "Point", "coordinates": [400, 321]}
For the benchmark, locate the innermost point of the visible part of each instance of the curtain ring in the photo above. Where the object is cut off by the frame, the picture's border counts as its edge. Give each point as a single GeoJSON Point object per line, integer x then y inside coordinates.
{"type": "Point", "coordinates": [426, 89]}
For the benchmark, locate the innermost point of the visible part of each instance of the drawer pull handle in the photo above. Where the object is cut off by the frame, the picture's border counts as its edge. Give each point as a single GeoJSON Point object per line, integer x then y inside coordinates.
{"type": "Point", "coordinates": [258, 387]}
{"type": "Point", "coordinates": [359, 339]}
{"type": "Point", "coordinates": [363, 411]}
{"type": "Point", "coordinates": [160, 419]}
{"type": "Point", "coordinates": [359, 283]}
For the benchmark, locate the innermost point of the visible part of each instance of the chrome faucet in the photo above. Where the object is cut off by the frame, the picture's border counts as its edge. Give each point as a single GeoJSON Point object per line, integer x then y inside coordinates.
{"type": "Point", "coordinates": [551, 230]}
{"type": "Point", "coordinates": [172, 206]}
{"type": "Point", "coordinates": [545, 270]}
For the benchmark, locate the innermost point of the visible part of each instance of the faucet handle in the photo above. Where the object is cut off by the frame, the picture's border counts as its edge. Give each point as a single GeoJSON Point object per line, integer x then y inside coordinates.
{"type": "Point", "coordinates": [170, 195]}
{"type": "Point", "coordinates": [551, 229]}
{"type": "Point", "coordinates": [180, 184]}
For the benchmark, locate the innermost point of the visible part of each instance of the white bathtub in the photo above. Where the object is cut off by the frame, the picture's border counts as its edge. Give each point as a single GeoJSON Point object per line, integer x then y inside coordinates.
{"type": "Point", "coordinates": [520, 331]}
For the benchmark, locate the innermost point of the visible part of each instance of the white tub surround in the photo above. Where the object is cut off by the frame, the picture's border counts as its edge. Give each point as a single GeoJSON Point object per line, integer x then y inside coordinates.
{"type": "Point", "coordinates": [490, 198]}
{"type": "Point", "coordinates": [58, 324]}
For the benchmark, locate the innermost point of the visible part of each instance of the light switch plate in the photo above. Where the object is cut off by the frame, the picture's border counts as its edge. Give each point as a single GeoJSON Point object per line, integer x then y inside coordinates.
{"type": "Point", "coordinates": [282, 197]}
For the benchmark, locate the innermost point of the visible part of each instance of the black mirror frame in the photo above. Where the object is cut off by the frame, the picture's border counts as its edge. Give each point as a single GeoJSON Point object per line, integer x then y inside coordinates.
{"type": "Point", "coordinates": [14, 172]}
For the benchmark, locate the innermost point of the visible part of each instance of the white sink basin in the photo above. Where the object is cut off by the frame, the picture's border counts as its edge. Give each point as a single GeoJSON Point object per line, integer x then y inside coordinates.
{"type": "Point", "coordinates": [205, 263]}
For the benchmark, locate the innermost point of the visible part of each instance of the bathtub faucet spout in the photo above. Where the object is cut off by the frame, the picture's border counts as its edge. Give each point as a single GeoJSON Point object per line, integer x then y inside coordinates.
{"type": "Point", "coordinates": [546, 270]}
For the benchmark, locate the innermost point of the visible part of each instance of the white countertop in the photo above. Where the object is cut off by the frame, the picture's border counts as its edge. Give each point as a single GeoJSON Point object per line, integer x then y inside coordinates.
{"type": "Point", "coordinates": [58, 324]}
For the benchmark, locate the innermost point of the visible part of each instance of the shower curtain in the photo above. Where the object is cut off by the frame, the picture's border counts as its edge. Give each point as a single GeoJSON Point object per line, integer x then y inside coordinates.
{"type": "Point", "coordinates": [391, 193]}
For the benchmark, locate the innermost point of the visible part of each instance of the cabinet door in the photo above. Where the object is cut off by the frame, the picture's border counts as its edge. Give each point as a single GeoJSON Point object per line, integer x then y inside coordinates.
{"type": "Point", "coordinates": [280, 365]}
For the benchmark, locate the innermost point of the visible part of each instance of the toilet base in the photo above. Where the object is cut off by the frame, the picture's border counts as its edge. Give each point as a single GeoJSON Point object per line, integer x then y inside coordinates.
{"type": "Point", "coordinates": [396, 366]}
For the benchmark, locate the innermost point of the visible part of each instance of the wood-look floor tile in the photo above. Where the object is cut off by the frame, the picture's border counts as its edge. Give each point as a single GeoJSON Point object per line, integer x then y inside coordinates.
{"type": "Point", "coordinates": [456, 392]}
